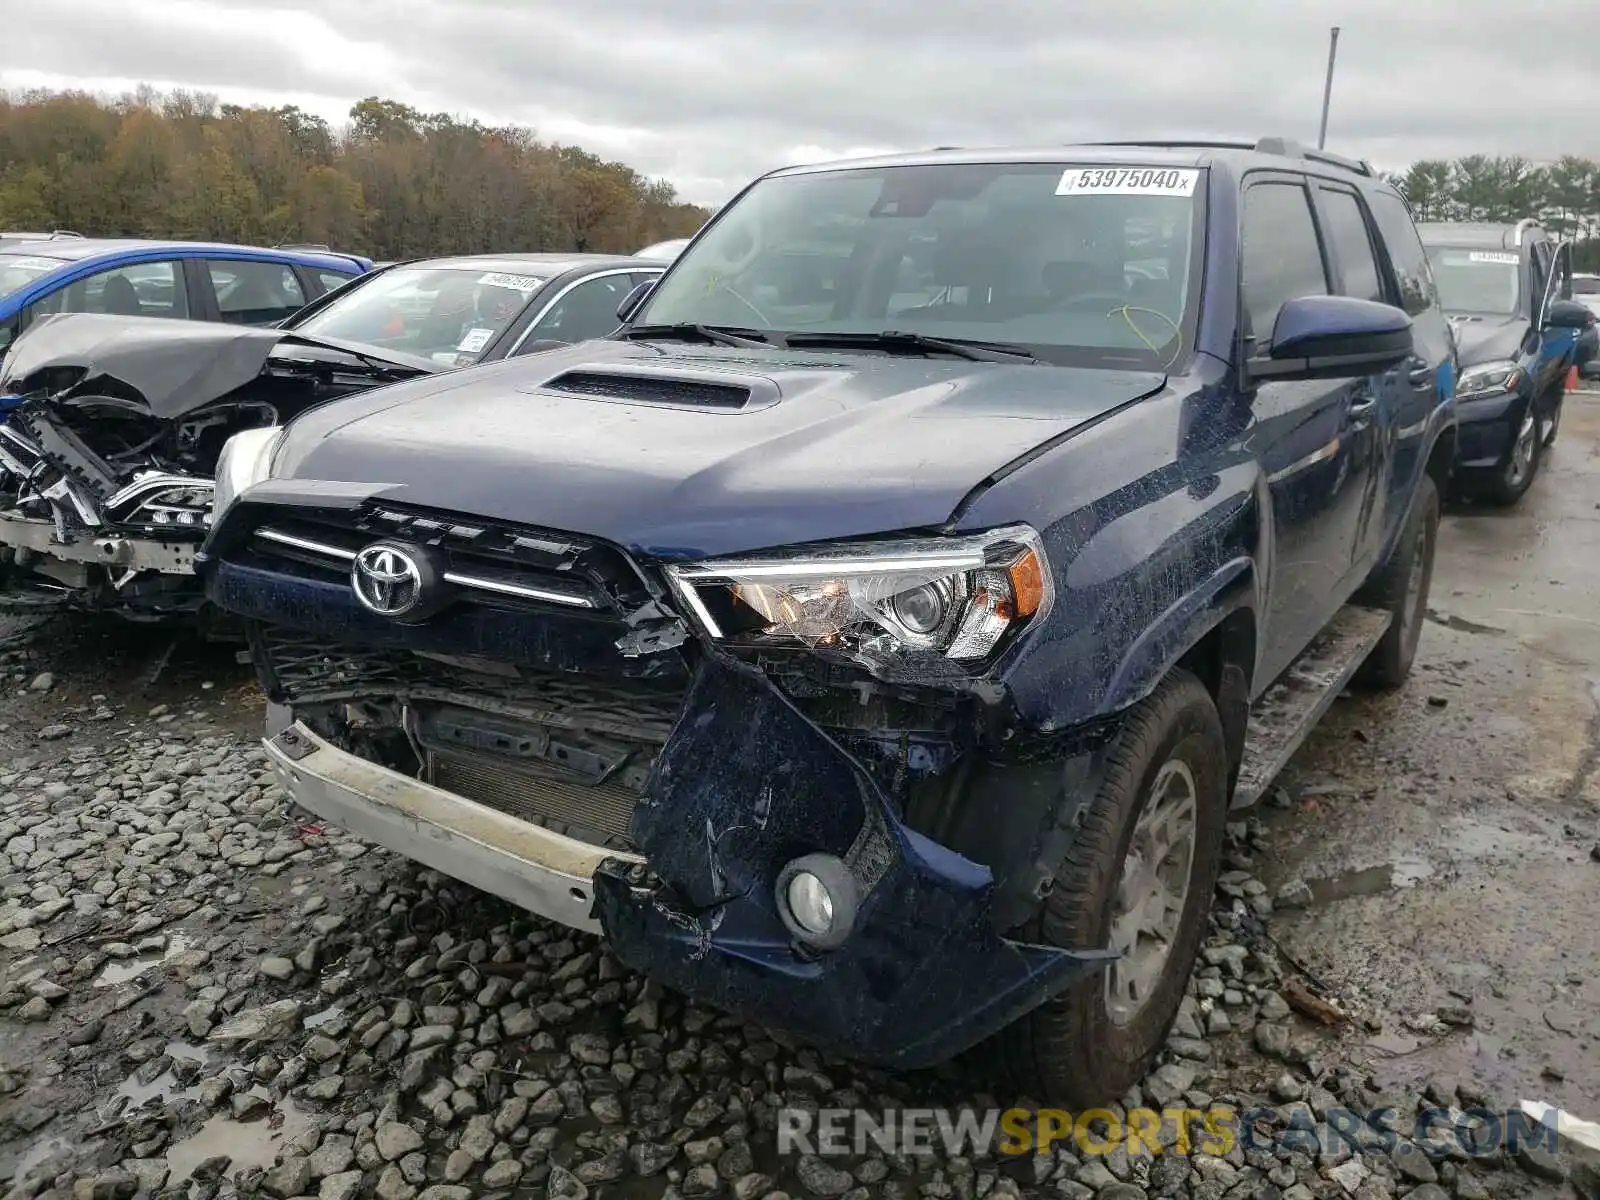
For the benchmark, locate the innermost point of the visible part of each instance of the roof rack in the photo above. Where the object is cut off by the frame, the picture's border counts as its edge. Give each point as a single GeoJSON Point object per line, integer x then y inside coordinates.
{"type": "Point", "coordinates": [301, 246]}
{"type": "Point", "coordinates": [1283, 147]}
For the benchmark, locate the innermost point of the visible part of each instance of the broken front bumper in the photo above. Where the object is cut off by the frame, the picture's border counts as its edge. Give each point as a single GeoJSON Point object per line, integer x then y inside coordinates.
{"type": "Point", "coordinates": [746, 784]}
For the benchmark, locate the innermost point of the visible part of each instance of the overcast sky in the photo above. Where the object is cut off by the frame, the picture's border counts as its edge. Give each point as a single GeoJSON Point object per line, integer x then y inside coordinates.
{"type": "Point", "coordinates": [707, 93]}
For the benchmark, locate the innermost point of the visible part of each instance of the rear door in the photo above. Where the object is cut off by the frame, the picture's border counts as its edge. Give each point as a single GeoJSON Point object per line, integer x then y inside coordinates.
{"type": "Point", "coordinates": [1306, 433]}
{"type": "Point", "coordinates": [246, 291]}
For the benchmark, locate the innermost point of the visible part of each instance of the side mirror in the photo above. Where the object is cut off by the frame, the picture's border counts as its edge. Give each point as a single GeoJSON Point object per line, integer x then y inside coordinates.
{"type": "Point", "coordinates": [1567, 314]}
{"type": "Point", "coordinates": [631, 302]}
{"type": "Point", "coordinates": [1327, 337]}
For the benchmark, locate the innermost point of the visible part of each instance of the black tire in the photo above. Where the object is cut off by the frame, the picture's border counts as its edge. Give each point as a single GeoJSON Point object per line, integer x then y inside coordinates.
{"type": "Point", "coordinates": [1391, 590]}
{"type": "Point", "coordinates": [1553, 413]}
{"type": "Point", "coordinates": [1510, 481]}
{"type": "Point", "coordinates": [1070, 1051]}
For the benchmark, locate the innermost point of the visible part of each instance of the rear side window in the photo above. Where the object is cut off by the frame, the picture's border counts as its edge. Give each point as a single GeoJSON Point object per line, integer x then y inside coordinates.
{"type": "Point", "coordinates": [332, 279]}
{"type": "Point", "coordinates": [1352, 244]}
{"type": "Point", "coordinates": [1406, 254]}
{"type": "Point", "coordinates": [1282, 259]}
{"type": "Point", "coordinates": [254, 293]}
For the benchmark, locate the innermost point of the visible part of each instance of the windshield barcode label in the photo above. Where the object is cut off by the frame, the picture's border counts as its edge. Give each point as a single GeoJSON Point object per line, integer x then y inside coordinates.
{"type": "Point", "coordinates": [1127, 181]}
{"type": "Point", "coordinates": [1493, 256]}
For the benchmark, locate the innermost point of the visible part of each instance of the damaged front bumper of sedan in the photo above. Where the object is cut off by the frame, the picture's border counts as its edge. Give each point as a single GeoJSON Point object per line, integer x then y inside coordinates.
{"type": "Point", "coordinates": [111, 435]}
{"type": "Point", "coordinates": [756, 837]}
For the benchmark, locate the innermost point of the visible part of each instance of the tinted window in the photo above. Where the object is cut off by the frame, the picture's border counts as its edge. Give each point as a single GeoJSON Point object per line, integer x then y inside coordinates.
{"type": "Point", "coordinates": [1081, 263]}
{"type": "Point", "coordinates": [1352, 244]}
{"type": "Point", "coordinates": [152, 289]}
{"type": "Point", "coordinates": [1281, 257]}
{"type": "Point", "coordinates": [1406, 254]}
{"type": "Point", "coordinates": [254, 293]}
{"type": "Point", "coordinates": [589, 310]}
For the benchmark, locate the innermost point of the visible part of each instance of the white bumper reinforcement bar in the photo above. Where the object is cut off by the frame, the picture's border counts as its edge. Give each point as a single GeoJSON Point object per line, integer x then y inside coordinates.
{"type": "Point", "coordinates": [542, 871]}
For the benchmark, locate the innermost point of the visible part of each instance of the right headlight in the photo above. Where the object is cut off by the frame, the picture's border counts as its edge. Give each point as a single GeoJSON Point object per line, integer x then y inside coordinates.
{"type": "Point", "coordinates": [940, 602]}
{"type": "Point", "coordinates": [1489, 379]}
{"type": "Point", "coordinates": [246, 460]}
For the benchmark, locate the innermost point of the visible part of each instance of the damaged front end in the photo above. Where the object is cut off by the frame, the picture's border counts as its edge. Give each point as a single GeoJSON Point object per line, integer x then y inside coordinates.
{"type": "Point", "coordinates": [739, 773]}
{"type": "Point", "coordinates": [113, 427]}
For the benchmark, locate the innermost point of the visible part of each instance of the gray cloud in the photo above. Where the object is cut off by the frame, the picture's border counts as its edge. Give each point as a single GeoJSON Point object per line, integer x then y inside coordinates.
{"type": "Point", "coordinates": [711, 92]}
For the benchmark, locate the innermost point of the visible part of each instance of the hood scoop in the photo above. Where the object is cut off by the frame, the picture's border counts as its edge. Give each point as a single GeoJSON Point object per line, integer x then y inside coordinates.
{"type": "Point", "coordinates": [667, 387]}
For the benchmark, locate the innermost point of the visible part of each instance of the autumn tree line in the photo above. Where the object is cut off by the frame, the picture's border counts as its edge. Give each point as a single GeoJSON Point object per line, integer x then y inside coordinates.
{"type": "Point", "coordinates": [398, 183]}
{"type": "Point", "coordinates": [1564, 195]}
{"type": "Point", "coordinates": [393, 183]}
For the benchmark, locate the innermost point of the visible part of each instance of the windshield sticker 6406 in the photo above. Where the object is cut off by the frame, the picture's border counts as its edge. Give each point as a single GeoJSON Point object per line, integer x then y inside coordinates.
{"type": "Point", "coordinates": [1127, 181]}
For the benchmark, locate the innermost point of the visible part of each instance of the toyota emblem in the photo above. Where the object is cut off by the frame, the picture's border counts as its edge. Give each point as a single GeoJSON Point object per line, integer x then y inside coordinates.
{"type": "Point", "coordinates": [388, 580]}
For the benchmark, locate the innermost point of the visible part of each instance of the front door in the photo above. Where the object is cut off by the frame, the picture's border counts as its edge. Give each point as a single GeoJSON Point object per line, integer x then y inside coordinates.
{"type": "Point", "coordinates": [1308, 434]}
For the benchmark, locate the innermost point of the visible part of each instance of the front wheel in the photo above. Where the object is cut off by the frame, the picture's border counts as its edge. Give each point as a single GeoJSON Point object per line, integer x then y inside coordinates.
{"type": "Point", "coordinates": [1138, 878]}
{"type": "Point", "coordinates": [1401, 587]}
{"type": "Point", "coordinates": [1512, 478]}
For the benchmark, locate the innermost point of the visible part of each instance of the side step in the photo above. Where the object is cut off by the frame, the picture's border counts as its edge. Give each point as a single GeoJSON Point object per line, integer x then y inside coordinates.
{"type": "Point", "coordinates": [1288, 710]}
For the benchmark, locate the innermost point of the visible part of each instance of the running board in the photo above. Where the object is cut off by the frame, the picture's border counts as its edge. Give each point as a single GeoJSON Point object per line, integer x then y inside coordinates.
{"type": "Point", "coordinates": [1291, 707]}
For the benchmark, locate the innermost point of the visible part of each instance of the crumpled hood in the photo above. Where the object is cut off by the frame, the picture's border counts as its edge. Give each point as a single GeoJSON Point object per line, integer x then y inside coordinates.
{"type": "Point", "coordinates": [828, 445]}
{"type": "Point", "coordinates": [176, 366]}
{"type": "Point", "coordinates": [1488, 339]}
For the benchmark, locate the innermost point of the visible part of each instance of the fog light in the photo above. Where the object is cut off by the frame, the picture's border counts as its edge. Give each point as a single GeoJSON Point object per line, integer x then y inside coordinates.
{"type": "Point", "coordinates": [817, 899]}
{"type": "Point", "coordinates": [810, 903]}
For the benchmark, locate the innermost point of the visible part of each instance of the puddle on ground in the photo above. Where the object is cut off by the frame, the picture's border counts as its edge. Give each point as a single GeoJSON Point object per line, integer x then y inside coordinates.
{"type": "Point", "coordinates": [246, 1143]}
{"type": "Point", "coordinates": [166, 1085]}
{"type": "Point", "coordinates": [1405, 871]}
{"type": "Point", "coordinates": [123, 969]}
{"type": "Point", "coordinates": [39, 1152]}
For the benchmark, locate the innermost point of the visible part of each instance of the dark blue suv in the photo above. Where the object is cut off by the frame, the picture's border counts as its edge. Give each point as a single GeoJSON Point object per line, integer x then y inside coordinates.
{"type": "Point", "coordinates": [871, 636]}
{"type": "Point", "coordinates": [202, 281]}
{"type": "Point", "coordinates": [1507, 290]}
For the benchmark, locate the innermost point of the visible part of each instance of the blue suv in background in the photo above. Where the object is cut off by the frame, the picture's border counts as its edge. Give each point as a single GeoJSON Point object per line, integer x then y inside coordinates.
{"type": "Point", "coordinates": [1507, 290]}
{"type": "Point", "coordinates": [201, 281]}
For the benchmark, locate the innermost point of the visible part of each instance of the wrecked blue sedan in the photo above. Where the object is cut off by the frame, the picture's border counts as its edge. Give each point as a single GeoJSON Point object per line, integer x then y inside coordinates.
{"type": "Point", "coordinates": [864, 637]}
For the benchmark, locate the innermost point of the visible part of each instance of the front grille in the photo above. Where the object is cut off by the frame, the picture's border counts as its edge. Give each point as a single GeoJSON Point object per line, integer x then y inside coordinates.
{"type": "Point", "coordinates": [485, 562]}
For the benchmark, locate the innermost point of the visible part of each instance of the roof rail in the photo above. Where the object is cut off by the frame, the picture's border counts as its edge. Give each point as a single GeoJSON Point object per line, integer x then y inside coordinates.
{"type": "Point", "coordinates": [1283, 147]}
{"type": "Point", "coordinates": [1524, 224]}
{"type": "Point", "coordinates": [301, 246]}
{"type": "Point", "coordinates": [64, 233]}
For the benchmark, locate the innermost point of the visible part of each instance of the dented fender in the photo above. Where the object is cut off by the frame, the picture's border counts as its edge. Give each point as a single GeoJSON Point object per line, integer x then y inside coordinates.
{"type": "Point", "coordinates": [746, 784]}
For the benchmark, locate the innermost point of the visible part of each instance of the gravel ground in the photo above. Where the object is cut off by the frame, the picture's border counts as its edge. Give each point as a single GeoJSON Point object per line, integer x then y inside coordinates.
{"type": "Point", "coordinates": [204, 993]}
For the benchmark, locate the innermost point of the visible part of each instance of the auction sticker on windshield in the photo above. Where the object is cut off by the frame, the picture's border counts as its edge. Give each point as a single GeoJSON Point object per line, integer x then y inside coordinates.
{"type": "Point", "coordinates": [474, 340]}
{"type": "Point", "coordinates": [1127, 181]}
{"type": "Point", "coordinates": [1492, 256]}
{"type": "Point", "coordinates": [520, 283]}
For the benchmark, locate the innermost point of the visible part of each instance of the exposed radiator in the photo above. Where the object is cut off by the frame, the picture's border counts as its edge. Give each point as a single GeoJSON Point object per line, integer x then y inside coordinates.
{"type": "Point", "coordinates": [593, 813]}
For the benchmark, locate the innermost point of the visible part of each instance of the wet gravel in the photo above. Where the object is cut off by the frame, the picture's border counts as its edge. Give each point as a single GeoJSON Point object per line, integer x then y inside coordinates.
{"type": "Point", "coordinates": [206, 993]}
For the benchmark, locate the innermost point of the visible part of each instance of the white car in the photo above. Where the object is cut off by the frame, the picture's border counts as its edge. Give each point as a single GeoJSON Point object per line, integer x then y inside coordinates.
{"type": "Point", "coordinates": [663, 251]}
{"type": "Point", "coordinates": [1586, 291]}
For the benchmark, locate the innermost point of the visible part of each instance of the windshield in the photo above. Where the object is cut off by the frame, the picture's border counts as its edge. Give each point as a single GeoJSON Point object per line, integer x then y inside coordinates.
{"type": "Point", "coordinates": [1475, 281]}
{"type": "Point", "coordinates": [17, 271]}
{"type": "Point", "coordinates": [447, 314]}
{"type": "Point", "coordinates": [1080, 265]}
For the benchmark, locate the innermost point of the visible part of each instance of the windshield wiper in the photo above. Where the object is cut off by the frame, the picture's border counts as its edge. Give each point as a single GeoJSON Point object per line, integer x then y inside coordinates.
{"type": "Point", "coordinates": [717, 335]}
{"type": "Point", "coordinates": [898, 339]}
